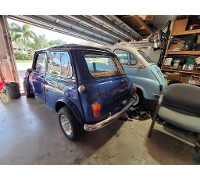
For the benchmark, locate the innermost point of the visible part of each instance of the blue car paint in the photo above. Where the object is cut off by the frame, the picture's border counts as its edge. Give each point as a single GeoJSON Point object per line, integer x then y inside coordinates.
{"type": "Point", "coordinates": [54, 90]}
{"type": "Point", "coordinates": [145, 80]}
{"type": "Point", "coordinates": [38, 85]}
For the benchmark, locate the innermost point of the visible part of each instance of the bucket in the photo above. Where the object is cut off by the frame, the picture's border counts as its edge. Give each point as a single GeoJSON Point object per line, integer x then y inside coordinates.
{"type": "Point", "coordinates": [13, 90]}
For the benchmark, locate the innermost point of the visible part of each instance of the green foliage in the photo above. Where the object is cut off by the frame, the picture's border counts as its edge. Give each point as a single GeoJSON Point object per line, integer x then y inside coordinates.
{"type": "Point", "coordinates": [56, 42]}
{"type": "Point", "coordinates": [21, 56]}
{"type": "Point", "coordinates": [54, 72]}
{"type": "Point", "coordinates": [21, 34]}
{"type": "Point", "coordinates": [39, 42]}
{"type": "Point", "coordinates": [24, 35]}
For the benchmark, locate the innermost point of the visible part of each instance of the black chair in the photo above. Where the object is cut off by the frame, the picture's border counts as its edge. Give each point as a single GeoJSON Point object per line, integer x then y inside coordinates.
{"type": "Point", "coordinates": [180, 106]}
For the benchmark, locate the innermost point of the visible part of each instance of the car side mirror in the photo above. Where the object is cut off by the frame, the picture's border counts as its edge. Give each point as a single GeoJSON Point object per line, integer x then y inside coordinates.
{"type": "Point", "coordinates": [141, 66]}
{"type": "Point", "coordinates": [29, 70]}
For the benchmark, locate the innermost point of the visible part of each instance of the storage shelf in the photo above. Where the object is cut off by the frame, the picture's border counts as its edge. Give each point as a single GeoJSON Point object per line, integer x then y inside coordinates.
{"type": "Point", "coordinates": [184, 52]}
{"type": "Point", "coordinates": [180, 71]}
{"type": "Point", "coordinates": [178, 28]}
{"type": "Point", "coordinates": [194, 31]}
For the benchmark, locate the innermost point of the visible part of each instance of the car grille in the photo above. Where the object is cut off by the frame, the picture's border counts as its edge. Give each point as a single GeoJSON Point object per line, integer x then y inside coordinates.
{"type": "Point", "coordinates": [119, 99]}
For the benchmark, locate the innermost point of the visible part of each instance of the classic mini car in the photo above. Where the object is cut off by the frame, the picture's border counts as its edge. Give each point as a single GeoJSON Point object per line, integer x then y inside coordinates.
{"type": "Point", "coordinates": [142, 72]}
{"type": "Point", "coordinates": [87, 86]}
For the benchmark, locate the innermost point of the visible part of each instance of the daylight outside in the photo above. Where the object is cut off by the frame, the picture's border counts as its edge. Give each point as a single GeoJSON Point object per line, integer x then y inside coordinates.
{"type": "Point", "coordinates": [26, 39]}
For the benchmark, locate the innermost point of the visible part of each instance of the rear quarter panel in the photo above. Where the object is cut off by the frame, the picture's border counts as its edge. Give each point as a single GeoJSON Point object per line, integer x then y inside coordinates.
{"type": "Point", "coordinates": [144, 79]}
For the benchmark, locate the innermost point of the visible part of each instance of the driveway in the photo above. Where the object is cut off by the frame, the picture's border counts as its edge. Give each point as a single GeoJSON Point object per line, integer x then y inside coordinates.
{"type": "Point", "coordinates": [22, 67]}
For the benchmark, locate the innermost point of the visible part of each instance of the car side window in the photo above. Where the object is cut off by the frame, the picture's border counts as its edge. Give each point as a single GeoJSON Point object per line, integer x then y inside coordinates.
{"type": "Point", "coordinates": [66, 68]}
{"type": "Point", "coordinates": [122, 56]}
{"type": "Point", "coordinates": [125, 57]}
{"type": "Point", "coordinates": [60, 64]}
{"type": "Point", "coordinates": [41, 62]}
{"type": "Point", "coordinates": [54, 65]}
{"type": "Point", "coordinates": [133, 60]}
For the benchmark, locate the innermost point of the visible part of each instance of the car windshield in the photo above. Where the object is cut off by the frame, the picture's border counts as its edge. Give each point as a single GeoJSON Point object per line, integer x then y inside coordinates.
{"type": "Point", "coordinates": [101, 65]}
{"type": "Point", "coordinates": [145, 56]}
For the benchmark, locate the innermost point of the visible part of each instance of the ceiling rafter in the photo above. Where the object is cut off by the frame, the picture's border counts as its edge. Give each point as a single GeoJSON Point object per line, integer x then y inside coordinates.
{"type": "Point", "coordinates": [96, 26]}
{"type": "Point", "coordinates": [108, 29]}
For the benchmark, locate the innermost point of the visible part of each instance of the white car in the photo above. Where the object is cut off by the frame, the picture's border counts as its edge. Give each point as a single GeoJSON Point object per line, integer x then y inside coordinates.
{"type": "Point", "coordinates": [143, 73]}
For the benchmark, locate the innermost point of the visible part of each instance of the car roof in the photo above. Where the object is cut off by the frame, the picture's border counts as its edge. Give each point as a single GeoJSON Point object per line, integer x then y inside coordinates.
{"type": "Point", "coordinates": [122, 46]}
{"type": "Point", "coordinates": [73, 47]}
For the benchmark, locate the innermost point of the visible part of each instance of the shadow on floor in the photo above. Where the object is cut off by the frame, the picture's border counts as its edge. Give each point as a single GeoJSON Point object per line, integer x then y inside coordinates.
{"type": "Point", "coordinates": [168, 149]}
{"type": "Point", "coordinates": [103, 136]}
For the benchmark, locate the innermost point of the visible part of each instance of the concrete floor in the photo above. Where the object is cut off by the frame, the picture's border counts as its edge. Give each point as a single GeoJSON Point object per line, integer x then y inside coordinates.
{"type": "Point", "coordinates": [30, 135]}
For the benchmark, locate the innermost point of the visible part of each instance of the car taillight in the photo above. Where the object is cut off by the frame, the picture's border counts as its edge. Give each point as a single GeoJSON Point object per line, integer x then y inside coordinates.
{"type": "Point", "coordinates": [160, 87]}
{"type": "Point", "coordinates": [134, 89]}
{"type": "Point", "coordinates": [96, 108]}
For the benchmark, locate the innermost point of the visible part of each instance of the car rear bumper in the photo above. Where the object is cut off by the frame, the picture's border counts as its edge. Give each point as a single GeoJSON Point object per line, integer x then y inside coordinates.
{"type": "Point", "coordinates": [96, 126]}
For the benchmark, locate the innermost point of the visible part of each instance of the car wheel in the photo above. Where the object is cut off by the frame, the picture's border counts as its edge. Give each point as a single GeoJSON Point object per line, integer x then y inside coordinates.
{"type": "Point", "coordinates": [139, 97]}
{"type": "Point", "coordinates": [27, 92]}
{"type": "Point", "coordinates": [151, 39]}
{"type": "Point", "coordinates": [70, 127]}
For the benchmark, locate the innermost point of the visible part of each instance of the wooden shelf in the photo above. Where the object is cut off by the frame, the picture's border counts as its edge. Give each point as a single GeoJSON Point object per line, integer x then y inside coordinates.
{"type": "Point", "coordinates": [168, 52]}
{"type": "Point", "coordinates": [184, 52]}
{"type": "Point", "coordinates": [180, 71]}
{"type": "Point", "coordinates": [138, 25]}
{"type": "Point", "coordinates": [195, 31]}
{"type": "Point", "coordinates": [167, 69]}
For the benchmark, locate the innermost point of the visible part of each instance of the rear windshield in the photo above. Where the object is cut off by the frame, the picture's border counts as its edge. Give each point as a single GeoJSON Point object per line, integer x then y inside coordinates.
{"type": "Point", "coordinates": [145, 56]}
{"type": "Point", "coordinates": [101, 65]}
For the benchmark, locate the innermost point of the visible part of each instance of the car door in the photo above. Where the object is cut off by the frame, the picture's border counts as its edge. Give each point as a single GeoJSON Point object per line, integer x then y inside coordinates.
{"type": "Point", "coordinates": [59, 81]}
{"type": "Point", "coordinates": [36, 78]}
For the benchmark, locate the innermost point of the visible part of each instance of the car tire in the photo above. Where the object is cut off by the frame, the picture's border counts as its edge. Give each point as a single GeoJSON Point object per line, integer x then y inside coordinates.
{"type": "Point", "coordinates": [151, 39]}
{"type": "Point", "coordinates": [27, 91]}
{"type": "Point", "coordinates": [69, 125]}
{"type": "Point", "coordinates": [139, 98]}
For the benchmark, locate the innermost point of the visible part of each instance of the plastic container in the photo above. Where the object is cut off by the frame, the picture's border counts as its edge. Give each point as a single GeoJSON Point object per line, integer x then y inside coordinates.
{"type": "Point", "coordinates": [190, 60]}
{"type": "Point", "coordinates": [4, 97]}
{"type": "Point", "coordinates": [13, 90]}
{"type": "Point", "coordinates": [1, 85]}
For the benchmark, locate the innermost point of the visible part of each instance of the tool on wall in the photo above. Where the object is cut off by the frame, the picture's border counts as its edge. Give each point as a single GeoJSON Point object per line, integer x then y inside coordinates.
{"type": "Point", "coordinates": [160, 38]}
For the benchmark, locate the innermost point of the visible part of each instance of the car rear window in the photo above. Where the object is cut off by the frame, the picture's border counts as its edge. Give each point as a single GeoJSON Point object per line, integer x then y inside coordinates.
{"type": "Point", "coordinates": [101, 65]}
{"type": "Point", "coordinates": [145, 56]}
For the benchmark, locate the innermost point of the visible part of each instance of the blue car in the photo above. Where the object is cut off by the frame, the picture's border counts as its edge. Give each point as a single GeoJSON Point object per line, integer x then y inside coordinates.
{"type": "Point", "coordinates": [87, 86]}
{"type": "Point", "coordinates": [143, 73]}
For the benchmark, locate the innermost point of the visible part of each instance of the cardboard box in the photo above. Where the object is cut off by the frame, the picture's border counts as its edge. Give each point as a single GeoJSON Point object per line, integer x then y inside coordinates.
{"type": "Point", "coordinates": [173, 76]}
{"type": "Point", "coordinates": [185, 79]}
{"type": "Point", "coordinates": [147, 17]}
{"type": "Point", "coordinates": [180, 26]}
{"type": "Point", "coordinates": [174, 46]}
{"type": "Point", "coordinates": [198, 39]}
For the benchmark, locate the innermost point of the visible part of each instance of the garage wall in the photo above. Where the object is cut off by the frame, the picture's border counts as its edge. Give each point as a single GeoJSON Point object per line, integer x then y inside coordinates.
{"type": "Point", "coordinates": [3, 54]}
{"type": "Point", "coordinates": [8, 70]}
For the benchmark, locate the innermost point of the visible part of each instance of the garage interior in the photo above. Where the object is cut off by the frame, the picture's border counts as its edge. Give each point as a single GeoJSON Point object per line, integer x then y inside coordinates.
{"type": "Point", "coordinates": [30, 133]}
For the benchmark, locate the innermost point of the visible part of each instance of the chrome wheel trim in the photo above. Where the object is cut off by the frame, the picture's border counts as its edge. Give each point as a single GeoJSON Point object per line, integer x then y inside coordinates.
{"type": "Point", "coordinates": [66, 125]}
{"type": "Point", "coordinates": [137, 99]}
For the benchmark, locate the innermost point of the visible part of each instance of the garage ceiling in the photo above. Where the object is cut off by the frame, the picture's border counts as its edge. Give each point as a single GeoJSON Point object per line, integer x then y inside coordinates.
{"type": "Point", "coordinates": [102, 29]}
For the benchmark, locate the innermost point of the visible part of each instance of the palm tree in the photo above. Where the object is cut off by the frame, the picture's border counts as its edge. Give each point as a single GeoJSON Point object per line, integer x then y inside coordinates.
{"type": "Point", "coordinates": [40, 41]}
{"type": "Point", "coordinates": [21, 34]}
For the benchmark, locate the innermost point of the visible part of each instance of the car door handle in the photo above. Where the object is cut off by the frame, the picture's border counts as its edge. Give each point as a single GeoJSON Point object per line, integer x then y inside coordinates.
{"type": "Point", "coordinates": [52, 83]}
